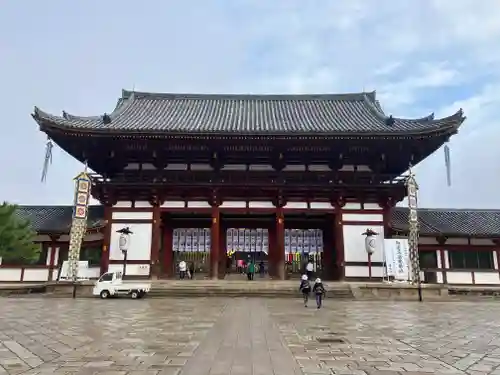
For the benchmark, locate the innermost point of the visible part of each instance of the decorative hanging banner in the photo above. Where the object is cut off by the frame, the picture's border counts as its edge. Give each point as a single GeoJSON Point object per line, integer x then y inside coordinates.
{"type": "Point", "coordinates": [447, 161]}
{"type": "Point", "coordinates": [413, 232]}
{"type": "Point", "coordinates": [79, 222]}
{"type": "Point", "coordinates": [47, 160]}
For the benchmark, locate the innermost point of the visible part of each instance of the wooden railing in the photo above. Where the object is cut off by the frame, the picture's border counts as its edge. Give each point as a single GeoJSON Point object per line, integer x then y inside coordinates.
{"type": "Point", "coordinates": [246, 178]}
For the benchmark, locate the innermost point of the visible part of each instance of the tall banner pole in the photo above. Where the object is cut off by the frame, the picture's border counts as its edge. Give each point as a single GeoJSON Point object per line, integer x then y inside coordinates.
{"type": "Point", "coordinates": [413, 232]}
{"type": "Point", "coordinates": [78, 223]}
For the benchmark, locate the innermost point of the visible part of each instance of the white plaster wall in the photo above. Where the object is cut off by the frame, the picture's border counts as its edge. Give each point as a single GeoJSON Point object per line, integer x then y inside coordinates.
{"type": "Point", "coordinates": [363, 217]}
{"type": "Point", "coordinates": [295, 205]}
{"type": "Point", "coordinates": [354, 243]}
{"type": "Point", "coordinates": [131, 269]}
{"type": "Point", "coordinates": [486, 278]}
{"type": "Point", "coordinates": [142, 204]}
{"type": "Point", "coordinates": [439, 277]}
{"type": "Point", "coordinates": [234, 204]}
{"type": "Point", "coordinates": [123, 204]}
{"type": "Point", "coordinates": [446, 259]}
{"type": "Point", "coordinates": [36, 274]}
{"type": "Point", "coordinates": [320, 206]}
{"type": "Point", "coordinates": [93, 272]}
{"type": "Point", "coordinates": [372, 206]}
{"type": "Point", "coordinates": [50, 250]}
{"type": "Point", "coordinates": [173, 204]}
{"type": "Point", "coordinates": [140, 242]}
{"type": "Point", "coordinates": [132, 215]}
{"type": "Point", "coordinates": [198, 204]}
{"type": "Point", "coordinates": [261, 204]}
{"type": "Point", "coordinates": [438, 257]}
{"type": "Point", "coordinates": [352, 206]}
{"type": "Point", "coordinates": [495, 260]}
{"type": "Point", "coordinates": [10, 274]}
{"type": "Point", "coordinates": [360, 271]}
{"type": "Point", "coordinates": [459, 277]}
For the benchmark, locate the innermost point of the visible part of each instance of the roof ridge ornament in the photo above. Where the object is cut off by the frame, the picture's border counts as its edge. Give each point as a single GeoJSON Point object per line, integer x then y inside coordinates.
{"type": "Point", "coordinates": [389, 121]}
{"type": "Point", "coordinates": [106, 119]}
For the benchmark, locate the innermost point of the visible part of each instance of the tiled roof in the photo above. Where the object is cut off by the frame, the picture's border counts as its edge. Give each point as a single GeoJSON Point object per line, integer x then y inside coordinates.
{"type": "Point", "coordinates": [478, 223]}
{"type": "Point", "coordinates": [433, 222]}
{"type": "Point", "coordinates": [57, 219]}
{"type": "Point", "coordinates": [325, 114]}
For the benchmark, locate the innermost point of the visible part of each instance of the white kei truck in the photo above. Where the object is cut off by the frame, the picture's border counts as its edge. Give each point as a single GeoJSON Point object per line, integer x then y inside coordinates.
{"type": "Point", "coordinates": [111, 284]}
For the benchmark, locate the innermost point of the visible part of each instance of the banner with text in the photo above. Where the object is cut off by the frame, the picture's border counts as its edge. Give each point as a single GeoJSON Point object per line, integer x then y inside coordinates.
{"type": "Point", "coordinates": [396, 258]}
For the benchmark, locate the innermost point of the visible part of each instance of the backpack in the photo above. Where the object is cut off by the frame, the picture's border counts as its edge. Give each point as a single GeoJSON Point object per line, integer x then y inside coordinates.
{"type": "Point", "coordinates": [305, 285]}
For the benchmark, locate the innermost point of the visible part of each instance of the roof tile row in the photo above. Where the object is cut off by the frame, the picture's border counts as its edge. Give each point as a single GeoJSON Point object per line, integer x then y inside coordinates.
{"type": "Point", "coordinates": [250, 114]}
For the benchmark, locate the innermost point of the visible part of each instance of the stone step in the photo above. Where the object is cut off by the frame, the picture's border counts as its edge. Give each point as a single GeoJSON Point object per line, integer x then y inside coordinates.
{"type": "Point", "coordinates": [235, 289]}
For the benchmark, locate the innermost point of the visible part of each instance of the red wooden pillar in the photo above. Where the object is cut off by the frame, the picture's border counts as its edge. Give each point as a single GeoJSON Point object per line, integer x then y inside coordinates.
{"type": "Point", "coordinates": [108, 214]}
{"type": "Point", "coordinates": [155, 241]}
{"type": "Point", "coordinates": [271, 258]}
{"type": "Point", "coordinates": [329, 263]}
{"type": "Point", "coordinates": [168, 253]}
{"type": "Point", "coordinates": [338, 231]}
{"type": "Point", "coordinates": [215, 242]}
{"type": "Point", "coordinates": [280, 244]}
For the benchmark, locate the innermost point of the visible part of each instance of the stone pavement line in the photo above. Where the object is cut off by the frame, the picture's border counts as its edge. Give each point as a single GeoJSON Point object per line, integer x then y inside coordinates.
{"type": "Point", "coordinates": [244, 341]}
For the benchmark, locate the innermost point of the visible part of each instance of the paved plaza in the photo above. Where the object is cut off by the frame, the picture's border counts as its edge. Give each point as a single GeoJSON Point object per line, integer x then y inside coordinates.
{"type": "Point", "coordinates": [246, 336]}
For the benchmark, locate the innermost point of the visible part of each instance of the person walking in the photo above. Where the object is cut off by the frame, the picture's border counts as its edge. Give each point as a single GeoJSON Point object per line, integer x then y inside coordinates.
{"type": "Point", "coordinates": [262, 269]}
{"type": "Point", "coordinates": [191, 270]}
{"type": "Point", "coordinates": [182, 269]}
{"type": "Point", "coordinates": [309, 270]}
{"type": "Point", "coordinates": [305, 289]}
{"type": "Point", "coordinates": [319, 291]}
{"type": "Point", "coordinates": [250, 270]}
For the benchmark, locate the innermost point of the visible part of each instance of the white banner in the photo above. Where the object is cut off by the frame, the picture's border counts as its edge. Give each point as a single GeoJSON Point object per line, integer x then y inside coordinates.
{"type": "Point", "coordinates": [396, 258]}
{"type": "Point", "coordinates": [83, 271]}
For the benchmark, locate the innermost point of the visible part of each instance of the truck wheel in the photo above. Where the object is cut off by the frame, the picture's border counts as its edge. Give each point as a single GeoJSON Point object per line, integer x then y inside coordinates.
{"type": "Point", "coordinates": [142, 294]}
{"type": "Point", "coordinates": [104, 294]}
{"type": "Point", "coordinates": [134, 294]}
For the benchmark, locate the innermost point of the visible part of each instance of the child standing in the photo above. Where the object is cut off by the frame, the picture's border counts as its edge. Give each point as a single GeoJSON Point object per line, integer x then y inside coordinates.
{"type": "Point", "coordinates": [319, 291]}
{"type": "Point", "coordinates": [305, 288]}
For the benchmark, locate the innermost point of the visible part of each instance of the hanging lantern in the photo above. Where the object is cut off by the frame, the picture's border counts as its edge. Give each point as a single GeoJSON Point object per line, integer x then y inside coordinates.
{"type": "Point", "coordinates": [124, 240]}
{"type": "Point", "coordinates": [370, 241]}
{"type": "Point", "coordinates": [124, 245]}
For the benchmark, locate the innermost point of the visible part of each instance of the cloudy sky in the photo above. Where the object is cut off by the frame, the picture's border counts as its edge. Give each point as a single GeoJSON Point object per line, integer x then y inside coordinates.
{"type": "Point", "coordinates": [421, 56]}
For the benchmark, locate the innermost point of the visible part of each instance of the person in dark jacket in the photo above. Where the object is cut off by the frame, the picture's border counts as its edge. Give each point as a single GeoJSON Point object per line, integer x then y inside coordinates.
{"type": "Point", "coordinates": [305, 288]}
{"type": "Point", "coordinates": [262, 269]}
{"type": "Point", "coordinates": [319, 291]}
{"type": "Point", "coordinates": [191, 270]}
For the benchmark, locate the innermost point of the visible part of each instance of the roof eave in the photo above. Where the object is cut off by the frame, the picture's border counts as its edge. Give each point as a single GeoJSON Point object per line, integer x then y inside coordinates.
{"type": "Point", "coordinates": [49, 126]}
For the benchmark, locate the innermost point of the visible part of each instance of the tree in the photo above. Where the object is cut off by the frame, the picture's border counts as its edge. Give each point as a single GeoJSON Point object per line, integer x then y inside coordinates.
{"type": "Point", "coordinates": [16, 238]}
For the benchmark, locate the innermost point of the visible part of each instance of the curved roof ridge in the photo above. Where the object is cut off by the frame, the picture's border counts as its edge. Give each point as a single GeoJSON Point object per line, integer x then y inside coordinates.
{"type": "Point", "coordinates": [376, 108]}
{"type": "Point", "coordinates": [119, 109]}
{"type": "Point", "coordinates": [353, 96]}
